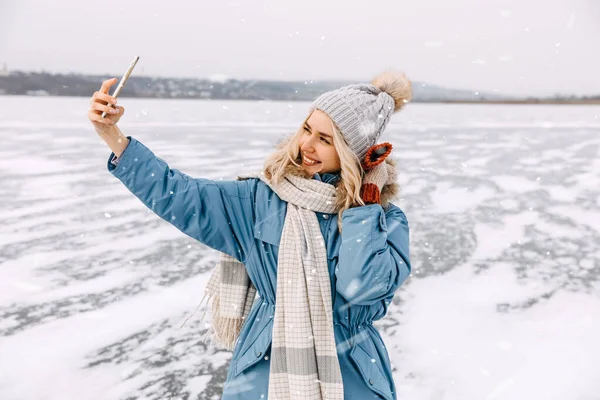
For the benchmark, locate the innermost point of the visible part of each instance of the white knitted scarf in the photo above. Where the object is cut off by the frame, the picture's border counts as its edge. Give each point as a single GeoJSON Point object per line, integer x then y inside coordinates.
{"type": "Point", "coordinates": [304, 361]}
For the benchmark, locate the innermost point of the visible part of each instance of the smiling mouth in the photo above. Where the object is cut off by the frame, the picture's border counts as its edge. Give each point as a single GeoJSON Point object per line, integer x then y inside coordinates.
{"type": "Point", "coordinates": [309, 161]}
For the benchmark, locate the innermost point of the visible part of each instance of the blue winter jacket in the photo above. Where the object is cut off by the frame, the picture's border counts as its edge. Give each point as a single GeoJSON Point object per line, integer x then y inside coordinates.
{"type": "Point", "coordinates": [367, 262]}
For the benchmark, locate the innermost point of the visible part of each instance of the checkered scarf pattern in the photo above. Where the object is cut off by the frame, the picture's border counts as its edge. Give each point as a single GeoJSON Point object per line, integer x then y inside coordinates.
{"type": "Point", "coordinates": [304, 362]}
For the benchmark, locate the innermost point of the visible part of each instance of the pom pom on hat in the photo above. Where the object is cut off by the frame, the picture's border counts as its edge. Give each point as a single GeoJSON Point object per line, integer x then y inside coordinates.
{"type": "Point", "coordinates": [397, 85]}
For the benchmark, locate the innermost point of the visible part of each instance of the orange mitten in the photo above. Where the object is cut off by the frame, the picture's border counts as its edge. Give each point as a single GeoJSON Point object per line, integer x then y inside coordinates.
{"type": "Point", "coordinates": [378, 173]}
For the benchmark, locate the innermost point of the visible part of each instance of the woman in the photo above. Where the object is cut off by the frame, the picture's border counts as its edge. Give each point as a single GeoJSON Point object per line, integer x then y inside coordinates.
{"type": "Point", "coordinates": [321, 281]}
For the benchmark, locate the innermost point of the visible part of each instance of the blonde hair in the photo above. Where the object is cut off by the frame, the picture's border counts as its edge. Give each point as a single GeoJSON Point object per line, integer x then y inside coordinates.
{"type": "Point", "coordinates": [286, 159]}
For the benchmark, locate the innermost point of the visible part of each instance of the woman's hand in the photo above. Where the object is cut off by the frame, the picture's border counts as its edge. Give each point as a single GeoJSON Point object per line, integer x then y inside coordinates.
{"type": "Point", "coordinates": [378, 173]}
{"type": "Point", "coordinates": [101, 101]}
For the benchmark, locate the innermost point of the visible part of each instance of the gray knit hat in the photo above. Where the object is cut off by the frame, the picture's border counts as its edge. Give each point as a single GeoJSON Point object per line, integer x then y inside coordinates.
{"type": "Point", "coordinates": [362, 111]}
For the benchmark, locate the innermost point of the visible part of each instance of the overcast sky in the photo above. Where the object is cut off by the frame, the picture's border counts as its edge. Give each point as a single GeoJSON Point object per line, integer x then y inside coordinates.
{"type": "Point", "coordinates": [513, 46]}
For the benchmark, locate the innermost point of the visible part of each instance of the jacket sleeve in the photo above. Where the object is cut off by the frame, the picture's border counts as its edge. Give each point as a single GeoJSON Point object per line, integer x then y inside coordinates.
{"type": "Point", "coordinates": [373, 257]}
{"type": "Point", "coordinates": [218, 214]}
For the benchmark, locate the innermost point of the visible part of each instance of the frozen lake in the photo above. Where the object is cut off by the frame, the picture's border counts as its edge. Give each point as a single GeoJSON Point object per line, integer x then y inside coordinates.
{"type": "Point", "coordinates": [503, 204]}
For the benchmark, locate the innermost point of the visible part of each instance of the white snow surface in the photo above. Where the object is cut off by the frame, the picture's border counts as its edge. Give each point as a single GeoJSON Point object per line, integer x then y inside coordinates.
{"type": "Point", "coordinates": [503, 203]}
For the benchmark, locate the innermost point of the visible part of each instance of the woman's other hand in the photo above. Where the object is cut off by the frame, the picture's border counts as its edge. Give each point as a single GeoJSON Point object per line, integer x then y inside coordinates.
{"type": "Point", "coordinates": [101, 101]}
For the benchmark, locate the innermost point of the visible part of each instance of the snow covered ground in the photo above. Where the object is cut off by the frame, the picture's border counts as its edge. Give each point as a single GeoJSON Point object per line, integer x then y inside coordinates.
{"type": "Point", "coordinates": [503, 203]}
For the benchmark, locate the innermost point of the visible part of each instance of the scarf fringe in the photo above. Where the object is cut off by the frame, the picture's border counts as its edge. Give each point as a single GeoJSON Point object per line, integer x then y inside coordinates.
{"type": "Point", "coordinates": [223, 332]}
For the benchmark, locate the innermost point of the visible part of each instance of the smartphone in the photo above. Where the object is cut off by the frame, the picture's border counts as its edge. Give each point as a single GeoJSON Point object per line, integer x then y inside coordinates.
{"type": "Point", "coordinates": [123, 80]}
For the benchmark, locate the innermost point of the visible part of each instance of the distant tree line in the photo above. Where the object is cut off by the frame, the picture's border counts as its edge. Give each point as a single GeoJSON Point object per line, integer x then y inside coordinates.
{"type": "Point", "coordinates": [48, 84]}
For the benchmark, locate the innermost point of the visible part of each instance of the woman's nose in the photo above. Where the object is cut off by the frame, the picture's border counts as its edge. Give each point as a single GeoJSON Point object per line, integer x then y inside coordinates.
{"type": "Point", "coordinates": [308, 144]}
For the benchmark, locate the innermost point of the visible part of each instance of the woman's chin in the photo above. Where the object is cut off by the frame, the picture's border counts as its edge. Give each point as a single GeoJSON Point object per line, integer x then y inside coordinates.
{"type": "Point", "coordinates": [311, 169]}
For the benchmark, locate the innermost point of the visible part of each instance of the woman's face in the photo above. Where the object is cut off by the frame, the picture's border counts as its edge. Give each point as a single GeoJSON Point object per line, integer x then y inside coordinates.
{"type": "Point", "coordinates": [316, 145]}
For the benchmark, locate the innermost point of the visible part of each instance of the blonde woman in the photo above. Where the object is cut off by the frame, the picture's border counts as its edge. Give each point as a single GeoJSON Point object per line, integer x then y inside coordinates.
{"type": "Point", "coordinates": [312, 248]}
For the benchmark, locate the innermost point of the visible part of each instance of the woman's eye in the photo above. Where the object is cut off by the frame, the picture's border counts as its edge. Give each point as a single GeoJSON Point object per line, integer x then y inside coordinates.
{"type": "Point", "coordinates": [325, 140]}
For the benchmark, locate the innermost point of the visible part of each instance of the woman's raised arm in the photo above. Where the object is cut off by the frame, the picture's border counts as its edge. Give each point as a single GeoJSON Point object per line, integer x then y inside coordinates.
{"type": "Point", "coordinates": [218, 214]}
